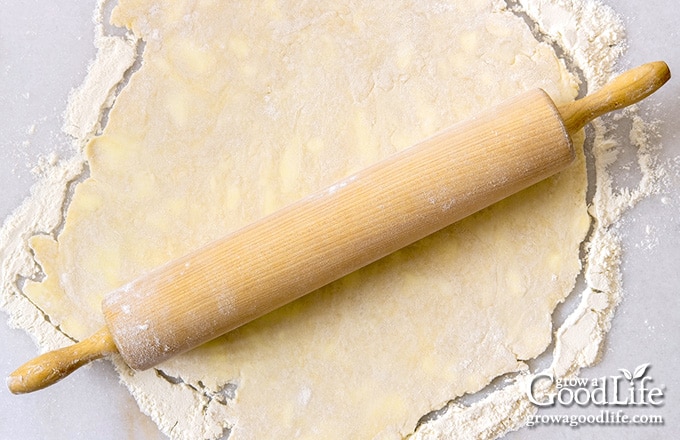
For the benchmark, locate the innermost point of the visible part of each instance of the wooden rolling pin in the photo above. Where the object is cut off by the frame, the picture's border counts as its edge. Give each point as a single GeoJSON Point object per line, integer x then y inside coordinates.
{"type": "Point", "coordinates": [339, 230]}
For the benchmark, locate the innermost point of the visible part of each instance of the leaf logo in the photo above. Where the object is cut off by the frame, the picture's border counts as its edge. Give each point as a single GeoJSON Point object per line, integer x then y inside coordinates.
{"type": "Point", "coordinates": [638, 373]}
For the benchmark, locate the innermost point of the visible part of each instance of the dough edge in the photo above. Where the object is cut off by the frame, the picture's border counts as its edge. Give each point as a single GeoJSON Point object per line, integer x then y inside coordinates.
{"type": "Point", "coordinates": [19, 308]}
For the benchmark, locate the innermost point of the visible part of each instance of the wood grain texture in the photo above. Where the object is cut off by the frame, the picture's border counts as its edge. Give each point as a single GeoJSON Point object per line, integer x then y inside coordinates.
{"type": "Point", "coordinates": [338, 230]}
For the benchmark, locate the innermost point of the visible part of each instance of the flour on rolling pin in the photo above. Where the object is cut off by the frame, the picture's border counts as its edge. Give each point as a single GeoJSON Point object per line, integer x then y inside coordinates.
{"type": "Point", "coordinates": [287, 162]}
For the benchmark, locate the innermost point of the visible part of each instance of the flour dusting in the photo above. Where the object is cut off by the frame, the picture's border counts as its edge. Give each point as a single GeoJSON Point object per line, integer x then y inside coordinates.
{"type": "Point", "coordinates": [592, 37]}
{"type": "Point", "coordinates": [43, 211]}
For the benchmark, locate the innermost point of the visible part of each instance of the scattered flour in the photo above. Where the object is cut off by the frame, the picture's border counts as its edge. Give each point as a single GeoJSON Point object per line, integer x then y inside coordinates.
{"type": "Point", "coordinates": [589, 33]}
{"type": "Point", "coordinates": [43, 211]}
{"type": "Point", "coordinates": [592, 36]}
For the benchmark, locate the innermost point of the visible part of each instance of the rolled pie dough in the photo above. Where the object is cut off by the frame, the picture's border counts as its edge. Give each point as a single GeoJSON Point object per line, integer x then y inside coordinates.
{"type": "Point", "coordinates": [241, 108]}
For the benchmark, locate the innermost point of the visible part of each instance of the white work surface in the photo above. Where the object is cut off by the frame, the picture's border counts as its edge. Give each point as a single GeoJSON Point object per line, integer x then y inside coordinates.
{"type": "Point", "coordinates": [45, 48]}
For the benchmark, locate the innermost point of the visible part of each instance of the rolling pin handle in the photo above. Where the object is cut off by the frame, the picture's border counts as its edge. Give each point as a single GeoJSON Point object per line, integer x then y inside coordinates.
{"type": "Point", "coordinates": [53, 366]}
{"type": "Point", "coordinates": [626, 89]}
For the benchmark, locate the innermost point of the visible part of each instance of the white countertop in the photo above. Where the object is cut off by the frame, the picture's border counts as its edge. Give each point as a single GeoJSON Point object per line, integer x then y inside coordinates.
{"type": "Point", "coordinates": [45, 48]}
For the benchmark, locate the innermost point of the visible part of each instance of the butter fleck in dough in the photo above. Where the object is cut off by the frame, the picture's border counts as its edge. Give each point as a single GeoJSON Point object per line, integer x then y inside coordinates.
{"type": "Point", "coordinates": [242, 108]}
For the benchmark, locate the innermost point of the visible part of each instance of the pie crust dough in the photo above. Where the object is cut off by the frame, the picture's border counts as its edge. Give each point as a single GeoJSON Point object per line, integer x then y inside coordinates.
{"type": "Point", "coordinates": [241, 108]}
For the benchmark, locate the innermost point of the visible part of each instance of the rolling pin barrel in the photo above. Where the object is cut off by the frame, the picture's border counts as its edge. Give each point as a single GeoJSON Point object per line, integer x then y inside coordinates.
{"type": "Point", "coordinates": [338, 230]}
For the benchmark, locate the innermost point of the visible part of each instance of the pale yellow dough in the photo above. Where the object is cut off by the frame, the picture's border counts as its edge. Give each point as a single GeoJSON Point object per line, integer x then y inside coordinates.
{"type": "Point", "coordinates": [242, 108]}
